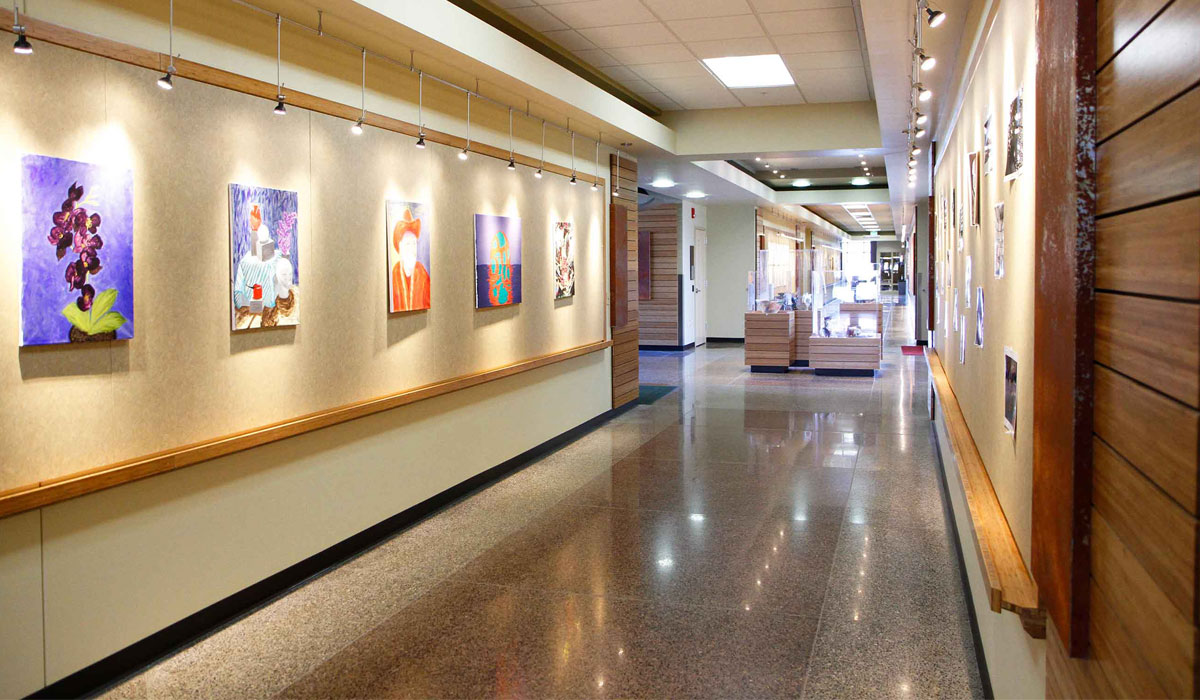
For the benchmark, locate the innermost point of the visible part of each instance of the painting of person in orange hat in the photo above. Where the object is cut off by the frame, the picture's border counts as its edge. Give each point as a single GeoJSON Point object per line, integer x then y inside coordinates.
{"type": "Point", "coordinates": [408, 257]}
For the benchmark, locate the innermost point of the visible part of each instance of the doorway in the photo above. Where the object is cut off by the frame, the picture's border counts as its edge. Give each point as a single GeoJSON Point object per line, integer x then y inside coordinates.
{"type": "Point", "coordinates": [700, 284]}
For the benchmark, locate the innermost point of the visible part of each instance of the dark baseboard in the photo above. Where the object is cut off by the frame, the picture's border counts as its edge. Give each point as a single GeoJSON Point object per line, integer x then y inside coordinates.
{"type": "Point", "coordinates": [121, 664]}
{"type": "Point", "coordinates": [768, 369]}
{"type": "Point", "coordinates": [668, 348]}
{"type": "Point", "coordinates": [845, 372]}
{"type": "Point", "coordinates": [802, 363]}
{"type": "Point", "coordinates": [739, 341]}
{"type": "Point", "coordinates": [925, 343]}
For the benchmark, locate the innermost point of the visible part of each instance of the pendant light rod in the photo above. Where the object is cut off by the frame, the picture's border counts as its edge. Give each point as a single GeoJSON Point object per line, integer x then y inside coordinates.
{"type": "Point", "coordinates": [363, 116]}
{"type": "Point", "coordinates": [279, 54]}
{"type": "Point", "coordinates": [407, 65]}
{"type": "Point", "coordinates": [510, 134]}
{"type": "Point", "coordinates": [171, 36]}
{"type": "Point", "coordinates": [421, 102]}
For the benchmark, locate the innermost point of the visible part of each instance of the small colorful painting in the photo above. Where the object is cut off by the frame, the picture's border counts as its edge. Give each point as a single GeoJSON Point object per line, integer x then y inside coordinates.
{"type": "Point", "coordinates": [564, 260]}
{"type": "Point", "coordinates": [264, 255]}
{"type": "Point", "coordinates": [497, 260]}
{"type": "Point", "coordinates": [408, 241]}
{"type": "Point", "coordinates": [77, 252]}
{"type": "Point", "coordinates": [1015, 159]}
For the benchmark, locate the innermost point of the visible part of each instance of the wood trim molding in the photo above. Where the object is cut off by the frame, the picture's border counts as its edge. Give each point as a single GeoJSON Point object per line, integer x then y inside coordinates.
{"type": "Point", "coordinates": [1064, 336]}
{"type": "Point", "coordinates": [1009, 585]}
{"type": "Point", "coordinates": [52, 491]}
{"type": "Point", "coordinates": [39, 30]}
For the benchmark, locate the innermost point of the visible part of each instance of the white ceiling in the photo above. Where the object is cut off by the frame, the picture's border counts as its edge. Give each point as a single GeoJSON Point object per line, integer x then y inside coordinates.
{"type": "Point", "coordinates": [655, 47]}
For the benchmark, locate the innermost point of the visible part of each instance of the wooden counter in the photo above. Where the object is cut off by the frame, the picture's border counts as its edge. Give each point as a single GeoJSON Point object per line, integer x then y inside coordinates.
{"type": "Point", "coordinates": [803, 331]}
{"type": "Point", "coordinates": [854, 355]}
{"type": "Point", "coordinates": [769, 339]}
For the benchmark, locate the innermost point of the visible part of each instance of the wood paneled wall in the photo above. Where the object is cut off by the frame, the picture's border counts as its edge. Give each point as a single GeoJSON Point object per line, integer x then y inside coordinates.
{"type": "Point", "coordinates": [1143, 623]}
{"type": "Point", "coordinates": [625, 338]}
{"type": "Point", "coordinates": [659, 316]}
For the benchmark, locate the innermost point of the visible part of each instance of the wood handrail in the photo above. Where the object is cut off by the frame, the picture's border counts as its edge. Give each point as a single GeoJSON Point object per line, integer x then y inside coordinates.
{"type": "Point", "coordinates": [1009, 584]}
{"type": "Point", "coordinates": [63, 488]}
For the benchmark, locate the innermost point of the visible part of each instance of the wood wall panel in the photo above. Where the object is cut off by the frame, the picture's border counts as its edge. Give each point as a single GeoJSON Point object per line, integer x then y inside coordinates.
{"type": "Point", "coordinates": [1155, 159]}
{"type": "Point", "coordinates": [1143, 631]}
{"type": "Point", "coordinates": [659, 315]}
{"type": "Point", "coordinates": [1151, 251]}
{"type": "Point", "coordinates": [1158, 435]}
{"type": "Point", "coordinates": [625, 338]}
{"type": "Point", "coordinates": [1154, 66]}
{"type": "Point", "coordinates": [1154, 341]}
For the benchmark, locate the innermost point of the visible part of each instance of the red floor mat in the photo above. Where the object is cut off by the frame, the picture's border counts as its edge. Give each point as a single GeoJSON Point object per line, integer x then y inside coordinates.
{"type": "Point", "coordinates": [912, 349]}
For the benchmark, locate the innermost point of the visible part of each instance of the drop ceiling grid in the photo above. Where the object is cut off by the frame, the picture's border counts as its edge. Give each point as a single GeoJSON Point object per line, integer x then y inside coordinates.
{"type": "Point", "coordinates": [656, 47]}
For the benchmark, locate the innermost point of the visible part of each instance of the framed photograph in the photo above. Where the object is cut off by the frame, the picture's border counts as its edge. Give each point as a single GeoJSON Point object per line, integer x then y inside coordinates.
{"type": "Point", "coordinates": [967, 283]}
{"type": "Point", "coordinates": [1014, 160]}
{"type": "Point", "coordinates": [979, 317]}
{"type": "Point", "coordinates": [987, 145]}
{"type": "Point", "coordinates": [973, 188]}
{"type": "Point", "coordinates": [956, 315]}
{"type": "Point", "coordinates": [962, 342]}
{"type": "Point", "coordinates": [1010, 391]}
{"type": "Point", "coordinates": [999, 242]}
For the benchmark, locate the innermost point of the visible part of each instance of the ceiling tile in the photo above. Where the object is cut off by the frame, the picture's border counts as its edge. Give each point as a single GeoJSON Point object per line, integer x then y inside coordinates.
{"type": "Point", "coordinates": [661, 101]}
{"type": "Point", "coordinates": [601, 13]}
{"type": "Point", "coordinates": [824, 41]}
{"type": "Point", "coordinates": [629, 35]}
{"type": "Point", "coordinates": [639, 86]}
{"type": "Point", "coordinates": [754, 46]}
{"type": "Point", "coordinates": [658, 53]}
{"type": "Point", "coordinates": [833, 84]}
{"type": "Point", "coordinates": [792, 5]}
{"type": "Point", "coordinates": [809, 21]}
{"type": "Point", "coordinates": [675, 88]}
{"type": "Point", "coordinates": [569, 39]}
{"type": "Point", "coordinates": [678, 69]}
{"type": "Point", "coordinates": [537, 18]}
{"type": "Point", "coordinates": [621, 73]}
{"type": "Point", "coordinates": [824, 59]}
{"type": "Point", "coordinates": [713, 28]}
{"type": "Point", "coordinates": [675, 9]}
{"type": "Point", "coordinates": [763, 97]}
{"type": "Point", "coordinates": [705, 100]}
{"type": "Point", "coordinates": [597, 57]}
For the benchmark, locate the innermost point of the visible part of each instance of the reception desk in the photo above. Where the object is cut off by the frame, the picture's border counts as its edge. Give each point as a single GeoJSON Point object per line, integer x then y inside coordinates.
{"type": "Point", "coordinates": [770, 339]}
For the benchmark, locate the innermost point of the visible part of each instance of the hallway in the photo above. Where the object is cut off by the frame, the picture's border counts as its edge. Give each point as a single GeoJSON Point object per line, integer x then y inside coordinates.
{"type": "Point", "coordinates": [743, 536]}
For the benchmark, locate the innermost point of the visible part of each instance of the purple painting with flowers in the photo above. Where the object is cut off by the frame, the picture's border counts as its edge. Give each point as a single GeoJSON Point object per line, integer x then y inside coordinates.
{"type": "Point", "coordinates": [77, 252]}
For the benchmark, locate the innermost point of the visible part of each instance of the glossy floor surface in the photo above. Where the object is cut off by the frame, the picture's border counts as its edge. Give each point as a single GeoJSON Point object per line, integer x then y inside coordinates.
{"type": "Point", "coordinates": [744, 536]}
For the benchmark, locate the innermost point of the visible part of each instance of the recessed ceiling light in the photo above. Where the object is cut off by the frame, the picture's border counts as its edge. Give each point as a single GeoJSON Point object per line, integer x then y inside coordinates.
{"type": "Point", "coordinates": [663, 182]}
{"type": "Point", "coordinates": [802, 182]}
{"type": "Point", "coordinates": [695, 194]}
{"type": "Point", "coordinates": [860, 181]}
{"type": "Point", "coordinates": [750, 71]}
{"type": "Point", "coordinates": [757, 159]}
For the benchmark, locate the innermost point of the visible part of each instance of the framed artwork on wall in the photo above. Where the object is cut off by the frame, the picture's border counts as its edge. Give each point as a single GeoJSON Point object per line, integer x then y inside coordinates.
{"type": "Point", "coordinates": [1010, 391]}
{"type": "Point", "coordinates": [264, 257]}
{"type": "Point", "coordinates": [1014, 160]}
{"type": "Point", "coordinates": [979, 317]}
{"type": "Point", "coordinates": [408, 252]}
{"type": "Point", "coordinates": [987, 145]}
{"type": "Point", "coordinates": [999, 242]}
{"type": "Point", "coordinates": [962, 341]}
{"type": "Point", "coordinates": [564, 260]}
{"type": "Point", "coordinates": [967, 282]}
{"type": "Point", "coordinates": [76, 251]}
{"type": "Point", "coordinates": [973, 188]}
{"type": "Point", "coordinates": [497, 261]}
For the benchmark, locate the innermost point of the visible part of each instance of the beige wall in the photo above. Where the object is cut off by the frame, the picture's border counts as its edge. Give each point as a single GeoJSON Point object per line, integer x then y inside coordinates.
{"type": "Point", "coordinates": [110, 568]}
{"type": "Point", "coordinates": [1007, 60]}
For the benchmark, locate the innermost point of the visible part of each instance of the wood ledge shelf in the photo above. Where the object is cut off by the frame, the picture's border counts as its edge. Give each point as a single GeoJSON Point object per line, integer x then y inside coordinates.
{"type": "Point", "coordinates": [1010, 586]}
{"type": "Point", "coordinates": [64, 488]}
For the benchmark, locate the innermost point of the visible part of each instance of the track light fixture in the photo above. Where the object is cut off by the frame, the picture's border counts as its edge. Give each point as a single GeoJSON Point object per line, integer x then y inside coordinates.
{"type": "Point", "coordinates": [512, 163]}
{"type": "Point", "coordinates": [573, 180]}
{"type": "Point", "coordinates": [916, 151]}
{"type": "Point", "coordinates": [21, 45]}
{"type": "Point", "coordinates": [923, 93]}
{"type": "Point", "coordinates": [921, 119]}
{"type": "Point", "coordinates": [280, 107]}
{"type": "Point", "coordinates": [596, 164]}
{"type": "Point", "coordinates": [420, 109]}
{"type": "Point", "coordinates": [617, 176]}
{"type": "Point", "coordinates": [165, 81]}
{"type": "Point", "coordinates": [462, 155]}
{"type": "Point", "coordinates": [920, 133]}
{"type": "Point", "coordinates": [362, 116]}
{"type": "Point", "coordinates": [927, 62]}
{"type": "Point", "coordinates": [912, 162]}
{"type": "Point", "coordinates": [934, 17]}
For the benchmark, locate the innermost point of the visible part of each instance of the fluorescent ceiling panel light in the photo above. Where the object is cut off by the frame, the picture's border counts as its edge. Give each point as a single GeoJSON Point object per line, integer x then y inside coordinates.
{"type": "Point", "coordinates": [860, 181]}
{"type": "Point", "coordinates": [750, 71]}
{"type": "Point", "coordinates": [802, 182]}
{"type": "Point", "coordinates": [663, 182]}
{"type": "Point", "coordinates": [695, 194]}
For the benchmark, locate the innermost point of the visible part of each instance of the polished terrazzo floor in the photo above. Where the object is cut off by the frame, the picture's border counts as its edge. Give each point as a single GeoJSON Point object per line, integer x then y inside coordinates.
{"type": "Point", "coordinates": [744, 536]}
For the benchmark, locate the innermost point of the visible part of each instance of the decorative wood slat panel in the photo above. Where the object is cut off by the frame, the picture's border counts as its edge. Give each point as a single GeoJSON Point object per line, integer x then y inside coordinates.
{"type": "Point", "coordinates": [1156, 530]}
{"type": "Point", "coordinates": [1118, 21]}
{"type": "Point", "coordinates": [625, 338]}
{"type": "Point", "coordinates": [1151, 251]}
{"type": "Point", "coordinates": [659, 315]}
{"type": "Point", "coordinates": [1156, 434]}
{"type": "Point", "coordinates": [1160, 638]}
{"type": "Point", "coordinates": [1156, 159]}
{"type": "Point", "coordinates": [1153, 66]}
{"type": "Point", "coordinates": [1154, 341]}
